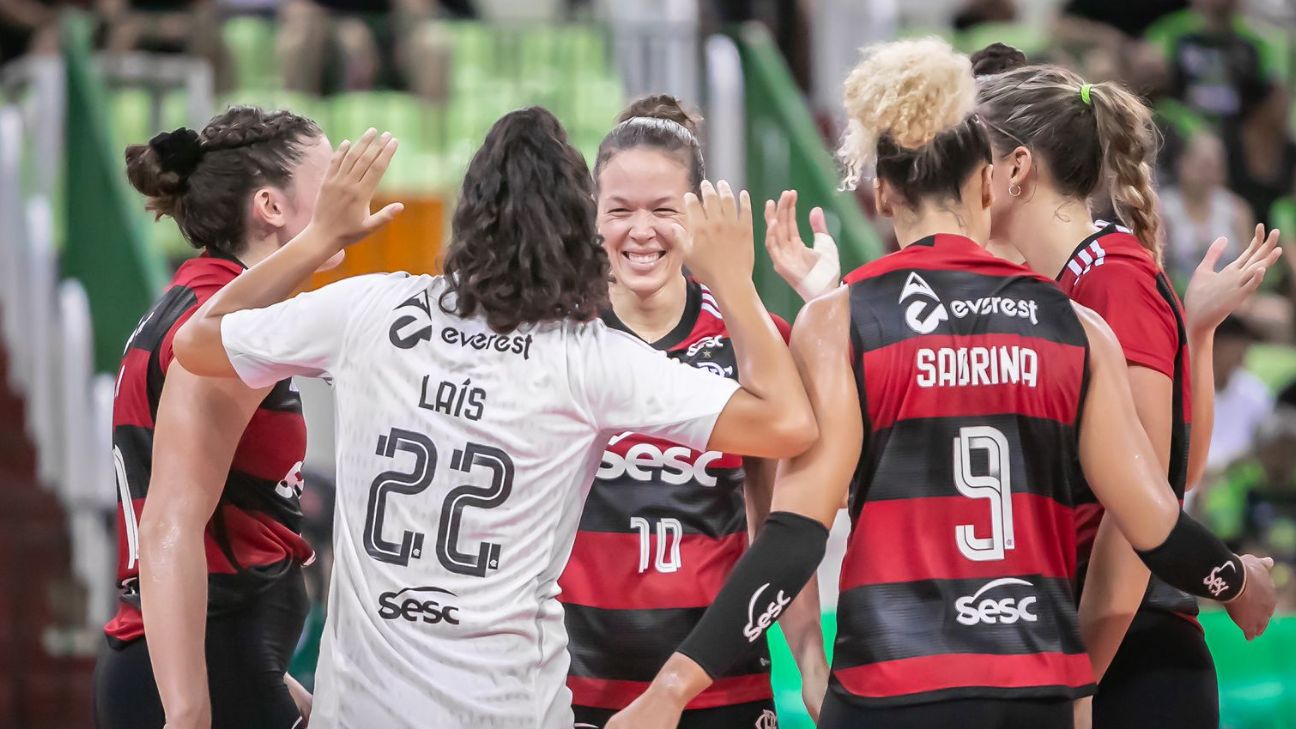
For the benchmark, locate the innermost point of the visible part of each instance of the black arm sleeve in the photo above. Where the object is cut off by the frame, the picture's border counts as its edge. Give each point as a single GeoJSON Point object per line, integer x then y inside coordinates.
{"type": "Point", "coordinates": [779, 563]}
{"type": "Point", "coordinates": [1197, 562]}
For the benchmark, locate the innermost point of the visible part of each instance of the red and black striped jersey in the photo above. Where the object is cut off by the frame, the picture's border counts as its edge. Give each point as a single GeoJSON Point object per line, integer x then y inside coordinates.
{"type": "Point", "coordinates": [254, 536]}
{"type": "Point", "coordinates": [662, 528]}
{"type": "Point", "coordinates": [958, 575]}
{"type": "Point", "coordinates": [1113, 274]}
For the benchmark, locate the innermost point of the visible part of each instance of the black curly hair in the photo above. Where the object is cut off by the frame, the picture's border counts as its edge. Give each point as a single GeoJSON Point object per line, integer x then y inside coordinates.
{"type": "Point", "coordinates": [524, 248]}
{"type": "Point", "coordinates": [997, 58]}
{"type": "Point", "coordinates": [203, 179]}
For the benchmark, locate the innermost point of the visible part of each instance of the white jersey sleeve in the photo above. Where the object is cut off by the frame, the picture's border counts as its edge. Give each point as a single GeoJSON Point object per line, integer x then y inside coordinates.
{"type": "Point", "coordinates": [301, 336]}
{"type": "Point", "coordinates": [624, 384]}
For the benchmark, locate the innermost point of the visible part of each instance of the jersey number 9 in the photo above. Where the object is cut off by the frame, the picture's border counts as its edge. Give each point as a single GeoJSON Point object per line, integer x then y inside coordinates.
{"type": "Point", "coordinates": [994, 486]}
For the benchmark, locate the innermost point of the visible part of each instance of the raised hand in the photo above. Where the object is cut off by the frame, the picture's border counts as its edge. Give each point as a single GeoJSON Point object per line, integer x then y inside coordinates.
{"type": "Point", "coordinates": [1212, 295]}
{"type": "Point", "coordinates": [1252, 609]}
{"type": "Point", "coordinates": [811, 271]}
{"type": "Point", "coordinates": [717, 235]}
{"type": "Point", "coordinates": [343, 207]}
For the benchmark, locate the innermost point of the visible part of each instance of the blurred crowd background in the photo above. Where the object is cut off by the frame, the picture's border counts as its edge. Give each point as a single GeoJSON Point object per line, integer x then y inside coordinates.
{"type": "Point", "coordinates": [79, 259]}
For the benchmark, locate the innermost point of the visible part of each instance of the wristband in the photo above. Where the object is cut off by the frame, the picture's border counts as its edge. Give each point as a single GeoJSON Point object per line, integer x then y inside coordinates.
{"type": "Point", "coordinates": [1197, 562]}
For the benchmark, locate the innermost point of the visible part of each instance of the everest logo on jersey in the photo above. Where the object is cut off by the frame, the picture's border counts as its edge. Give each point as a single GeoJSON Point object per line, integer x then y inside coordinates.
{"type": "Point", "coordinates": [415, 607]}
{"type": "Point", "coordinates": [923, 317]}
{"type": "Point", "coordinates": [976, 610]}
{"type": "Point", "coordinates": [757, 624]}
{"type": "Point", "coordinates": [927, 312]}
{"type": "Point", "coordinates": [404, 336]}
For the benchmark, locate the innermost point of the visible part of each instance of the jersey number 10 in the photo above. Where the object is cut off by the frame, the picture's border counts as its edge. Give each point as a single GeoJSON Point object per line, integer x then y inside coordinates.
{"type": "Point", "coordinates": [459, 499]}
{"type": "Point", "coordinates": [668, 549]}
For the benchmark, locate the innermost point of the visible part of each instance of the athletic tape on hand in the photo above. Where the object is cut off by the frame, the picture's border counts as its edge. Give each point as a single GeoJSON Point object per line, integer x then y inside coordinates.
{"type": "Point", "coordinates": [826, 272]}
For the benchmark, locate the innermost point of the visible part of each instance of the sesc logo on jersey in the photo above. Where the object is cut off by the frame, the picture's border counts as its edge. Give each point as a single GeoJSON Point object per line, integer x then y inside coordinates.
{"type": "Point", "coordinates": [417, 607]}
{"type": "Point", "coordinates": [649, 462]}
{"type": "Point", "coordinates": [978, 610]}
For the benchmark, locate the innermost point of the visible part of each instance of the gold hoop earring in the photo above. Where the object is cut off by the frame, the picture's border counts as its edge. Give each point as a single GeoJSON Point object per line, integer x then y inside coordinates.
{"type": "Point", "coordinates": [1015, 190]}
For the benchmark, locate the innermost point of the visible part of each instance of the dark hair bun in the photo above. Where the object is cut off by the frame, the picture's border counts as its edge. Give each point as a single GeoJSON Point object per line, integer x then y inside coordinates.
{"type": "Point", "coordinates": [996, 58]}
{"type": "Point", "coordinates": [663, 106]}
{"type": "Point", "coordinates": [162, 187]}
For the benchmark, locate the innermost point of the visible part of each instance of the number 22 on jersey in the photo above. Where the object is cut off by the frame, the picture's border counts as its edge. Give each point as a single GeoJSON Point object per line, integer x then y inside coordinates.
{"type": "Point", "coordinates": [474, 456]}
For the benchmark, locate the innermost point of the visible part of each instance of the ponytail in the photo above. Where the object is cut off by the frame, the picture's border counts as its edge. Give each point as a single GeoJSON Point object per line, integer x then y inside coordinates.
{"type": "Point", "coordinates": [1128, 141]}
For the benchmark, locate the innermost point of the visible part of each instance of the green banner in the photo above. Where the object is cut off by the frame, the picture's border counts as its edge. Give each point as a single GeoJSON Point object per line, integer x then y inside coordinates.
{"type": "Point", "coordinates": [785, 151]}
{"type": "Point", "coordinates": [104, 248]}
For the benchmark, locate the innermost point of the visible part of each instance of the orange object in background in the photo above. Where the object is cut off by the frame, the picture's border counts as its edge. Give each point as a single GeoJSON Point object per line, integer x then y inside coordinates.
{"type": "Point", "coordinates": [412, 242]}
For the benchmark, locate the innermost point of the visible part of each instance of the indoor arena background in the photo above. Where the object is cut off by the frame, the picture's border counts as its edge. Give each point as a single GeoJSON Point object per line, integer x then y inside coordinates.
{"type": "Point", "coordinates": [80, 260]}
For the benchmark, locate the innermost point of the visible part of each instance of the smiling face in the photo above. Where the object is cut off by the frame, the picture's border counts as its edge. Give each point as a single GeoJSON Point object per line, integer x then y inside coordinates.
{"type": "Point", "coordinates": [641, 194]}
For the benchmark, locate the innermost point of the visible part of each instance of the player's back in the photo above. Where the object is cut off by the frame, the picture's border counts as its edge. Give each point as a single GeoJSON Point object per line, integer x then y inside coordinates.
{"type": "Point", "coordinates": [957, 576]}
{"type": "Point", "coordinates": [253, 536]}
{"type": "Point", "coordinates": [464, 455]}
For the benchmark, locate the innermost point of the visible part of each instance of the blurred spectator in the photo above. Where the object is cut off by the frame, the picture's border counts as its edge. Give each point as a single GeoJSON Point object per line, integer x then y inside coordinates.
{"type": "Point", "coordinates": [191, 27]}
{"type": "Point", "coordinates": [1260, 151]}
{"type": "Point", "coordinates": [1199, 208]}
{"type": "Point", "coordinates": [1131, 19]}
{"type": "Point", "coordinates": [975, 12]}
{"type": "Point", "coordinates": [1094, 35]}
{"type": "Point", "coordinates": [1242, 400]}
{"type": "Point", "coordinates": [787, 20]}
{"type": "Point", "coordinates": [1252, 505]}
{"type": "Point", "coordinates": [27, 26]}
{"type": "Point", "coordinates": [375, 43]}
{"type": "Point", "coordinates": [1215, 58]}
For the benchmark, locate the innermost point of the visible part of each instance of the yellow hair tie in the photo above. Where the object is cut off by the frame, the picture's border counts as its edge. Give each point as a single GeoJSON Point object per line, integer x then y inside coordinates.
{"type": "Point", "coordinates": [1084, 94]}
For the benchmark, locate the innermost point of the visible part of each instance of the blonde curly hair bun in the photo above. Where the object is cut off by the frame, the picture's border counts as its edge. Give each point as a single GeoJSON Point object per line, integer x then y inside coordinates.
{"type": "Point", "coordinates": [909, 91]}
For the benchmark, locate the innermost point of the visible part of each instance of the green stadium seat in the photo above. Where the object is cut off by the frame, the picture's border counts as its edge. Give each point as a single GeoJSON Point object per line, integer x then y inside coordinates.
{"type": "Point", "coordinates": [1275, 364]}
{"type": "Point", "coordinates": [251, 45]}
{"type": "Point", "coordinates": [130, 111]}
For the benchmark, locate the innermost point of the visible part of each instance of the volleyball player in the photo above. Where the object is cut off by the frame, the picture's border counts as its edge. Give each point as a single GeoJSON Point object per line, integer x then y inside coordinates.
{"type": "Point", "coordinates": [664, 524]}
{"type": "Point", "coordinates": [964, 394]}
{"type": "Point", "coordinates": [473, 410]}
{"type": "Point", "coordinates": [209, 471]}
{"type": "Point", "coordinates": [1057, 142]}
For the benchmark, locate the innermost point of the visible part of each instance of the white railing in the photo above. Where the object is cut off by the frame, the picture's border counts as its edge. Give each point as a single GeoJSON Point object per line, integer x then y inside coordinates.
{"type": "Point", "coordinates": [656, 45]}
{"type": "Point", "coordinates": [46, 329]}
{"type": "Point", "coordinates": [726, 112]}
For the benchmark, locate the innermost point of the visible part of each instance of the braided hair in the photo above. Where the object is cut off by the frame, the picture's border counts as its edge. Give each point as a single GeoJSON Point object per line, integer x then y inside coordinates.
{"type": "Point", "coordinates": [203, 179]}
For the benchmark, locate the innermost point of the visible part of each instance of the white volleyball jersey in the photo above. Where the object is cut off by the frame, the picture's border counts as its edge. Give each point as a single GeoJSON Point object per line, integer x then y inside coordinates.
{"type": "Point", "coordinates": [463, 459]}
